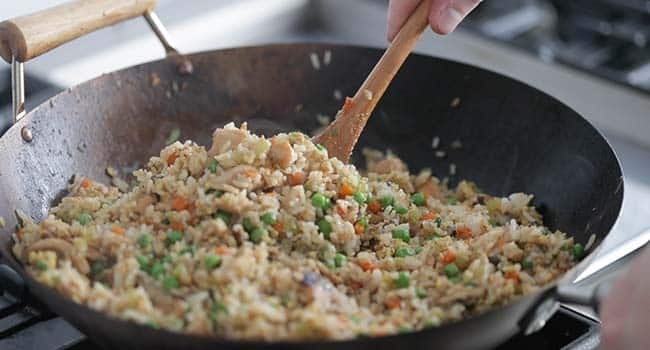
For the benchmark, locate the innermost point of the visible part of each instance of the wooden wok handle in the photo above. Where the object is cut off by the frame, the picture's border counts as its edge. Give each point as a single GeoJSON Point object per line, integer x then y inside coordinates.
{"type": "Point", "coordinates": [32, 35]}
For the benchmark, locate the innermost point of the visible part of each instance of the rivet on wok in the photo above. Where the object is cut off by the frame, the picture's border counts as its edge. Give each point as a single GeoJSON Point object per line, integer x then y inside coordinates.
{"type": "Point", "coordinates": [26, 134]}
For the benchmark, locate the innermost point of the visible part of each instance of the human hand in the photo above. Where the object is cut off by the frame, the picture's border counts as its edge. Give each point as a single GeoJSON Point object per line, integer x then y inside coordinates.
{"type": "Point", "coordinates": [626, 309]}
{"type": "Point", "coordinates": [444, 16]}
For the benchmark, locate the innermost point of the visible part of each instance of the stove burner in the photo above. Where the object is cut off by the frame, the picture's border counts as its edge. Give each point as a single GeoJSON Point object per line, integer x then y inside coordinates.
{"type": "Point", "coordinates": [608, 38]}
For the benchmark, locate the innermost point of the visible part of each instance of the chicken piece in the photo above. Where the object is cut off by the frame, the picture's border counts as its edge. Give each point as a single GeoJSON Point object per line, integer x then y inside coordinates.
{"type": "Point", "coordinates": [281, 153]}
{"type": "Point", "coordinates": [388, 165]}
{"type": "Point", "coordinates": [224, 140]}
{"type": "Point", "coordinates": [242, 177]}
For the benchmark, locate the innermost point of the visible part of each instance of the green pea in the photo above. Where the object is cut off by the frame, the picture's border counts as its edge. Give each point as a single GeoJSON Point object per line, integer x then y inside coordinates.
{"type": "Point", "coordinates": [364, 222]}
{"type": "Point", "coordinates": [452, 271]}
{"type": "Point", "coordinates": [386, 201]}
{"type": "Point", "coordinates": [402, 252]}
{"type": "Point", "coordinates": [418, 199]}
{"type": "Point", "coordinates": [471, 284]}
{"type": "Point", "coordinates": [401, 210]}
{"type": "Point", "coordinates": [420, 293]}
{"type": "Point", "coordinates": [213, 166]}
{"type": "Point", "coordinates": [174, 236]}
{"type": "Point", "coordinates": [452, 201]}
{"type": "Point", "coordinates": [212, 261]}
{"type": "Point", "coordinates": [403, 330]}
{"type": "Point", "coordinates": [403, 234]}
{"type": "Point", "coordinates": [152, 324]}
{"type": "Point", "coordinates": [402, 280]}
{"type": "Point", "coordinates": [325, 228]}
{"type": "Point", "coordinates": [157, 270]}
{"type": "Point", "coordinates": [143, 261]}
{"type": "Point", "coordinates": [170, 282]}
{"type": "Point", "coordinates": [257, 234]}
{"type": "Point", "coordinates": [217, 193]}
{"type": "Point", "coordinates": [166, 221]}
{"type": "Point", "coordinates": [248, 225]}
{"type": "Point", "coordinates": [578, 251]}
{"type": "Point", "coordinates": [320, 201]}
{"type": "Point", "coordinates": [188, 249]}
{"type": "Point", "coordinates": [97, 268]}
{"type": "Point", "coordinates": [41, 265]}
{"type": "Point", "coordinates": [84, 219]}
{"type": "Point", "coordinates": [144, 240]}
{"type": "Point", "coordinates": [360, 197]}
{"type": "Point", "coordinates": [218, 308]}
{"type": "Point", "coordinates": [225, 216]}
{"type": "Point", "coordinates": [431, 323]}
{"type": "Point", "coordinates": [418, 250]}
{"type": "Point", "coordinates": [268, 218]}
{"type": "Point", "coordinates": [527, 264]}
{"type": "Point", "coordinates": [340, 260]}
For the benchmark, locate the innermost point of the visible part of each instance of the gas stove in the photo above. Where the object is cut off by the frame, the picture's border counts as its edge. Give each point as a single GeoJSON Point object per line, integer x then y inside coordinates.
{"type": "Point", "coordinates": [607, 38]}
{"type": "Point", "coordinates": [583, 52]}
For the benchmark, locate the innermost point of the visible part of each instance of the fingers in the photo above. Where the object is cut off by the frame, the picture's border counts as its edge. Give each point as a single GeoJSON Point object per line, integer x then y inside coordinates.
{"type": "Point", "coordinates": [444, 17]}
{"type": "Point", "coordinates": [398, 12]}
{"type": "Point", "coordinates": [447, 14]}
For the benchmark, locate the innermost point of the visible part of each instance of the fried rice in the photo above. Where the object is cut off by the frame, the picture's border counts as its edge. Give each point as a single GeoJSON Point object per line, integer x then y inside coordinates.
{"type": "Point", "coordinates": [271, 239]}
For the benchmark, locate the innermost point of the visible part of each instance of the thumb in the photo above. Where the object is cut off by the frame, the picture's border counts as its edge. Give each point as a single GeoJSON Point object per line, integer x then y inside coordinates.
{"type": "Point", "coordinates": [447, 14]}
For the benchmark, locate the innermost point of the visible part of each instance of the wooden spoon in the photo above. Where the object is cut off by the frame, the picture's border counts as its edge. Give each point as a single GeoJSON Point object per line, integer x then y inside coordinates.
{"type": "Point", "coordinates": [342, 134]}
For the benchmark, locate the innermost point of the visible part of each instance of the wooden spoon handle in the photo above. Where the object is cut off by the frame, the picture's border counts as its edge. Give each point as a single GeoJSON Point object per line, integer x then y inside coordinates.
{"type": "Point", "coordinates": [341, 135]}
{"type": "Point", "coordinates": [30, 36]}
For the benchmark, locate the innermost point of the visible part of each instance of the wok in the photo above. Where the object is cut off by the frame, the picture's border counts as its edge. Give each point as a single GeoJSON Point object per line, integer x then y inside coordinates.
{"type": "Point", "coordinates": [514, 138]}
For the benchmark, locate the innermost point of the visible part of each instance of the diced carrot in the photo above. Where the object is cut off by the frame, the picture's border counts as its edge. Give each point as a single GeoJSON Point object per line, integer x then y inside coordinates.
{"type": "Point", "coordinates": [345, 190]}
{"type": "Point", "coordinates": [374, 206]}
{"type": "Point", "coordinates": [463, 232]}
{"type": "Point", "coordinates": [222, 250]}
{"type": "Point", "coordinates": [172, 158]}
{"type": "Point", "coordinates": [449, 257]}
{"type": "Point", "coordinates": [118, 230]}
{"type": "Point", "coordinates": [343, 318]}
{"type": "Point", "coordinates": [393, 303]}
{"type": "Point", "coordinates": [278, 226]}
{"type": "Point", "coordinates": [367, 266]}
{"type": "Point", "coordinates": [250, 173]}
{"type": "Point", "coordinates": [512, 275]}
{"type": "Point", "coordinates": [180, 203]}
{"type": "Point", "coordinates": [347, 105]}
{"type": "Point", "coordinates": [177, 225]}
{"type": "Point", "coordinates": [429, 216]}
{"type": "Point", "coordinates": [358, 228]}
{"type": "Point", "coordinates": [297, 178]}
{"type": "Point", "coordinates": [85, 183]}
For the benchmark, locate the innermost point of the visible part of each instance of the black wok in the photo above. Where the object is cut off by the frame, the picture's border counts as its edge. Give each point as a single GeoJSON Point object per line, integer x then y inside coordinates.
{"type": "Point", "coordinates": [514, 138]}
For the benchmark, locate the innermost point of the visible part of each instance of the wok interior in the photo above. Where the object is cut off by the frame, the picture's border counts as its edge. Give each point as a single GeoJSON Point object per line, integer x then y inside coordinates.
{"type": "Point", "coordinates": [514, 138]}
